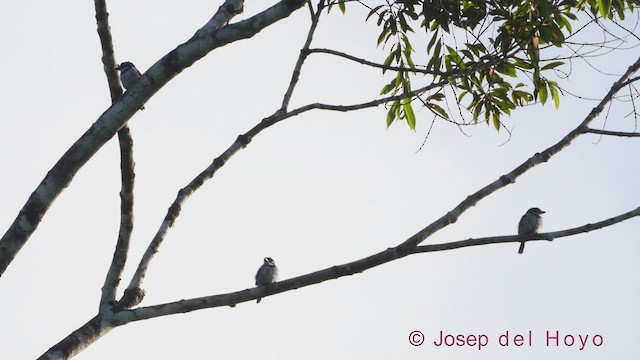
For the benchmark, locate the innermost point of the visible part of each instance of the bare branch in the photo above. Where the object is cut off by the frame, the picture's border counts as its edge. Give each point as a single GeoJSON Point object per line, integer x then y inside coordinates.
{"type": "Point", "coordinates": [78, 340]}
{"type": "Point", "coordinates": [371, 63]}
{"type": "Point", "coordinates": [632, 80]}
{"type": "Point", "coordinates": [126, 161]}
{"type": "Point", "coordinates": [473, 68]}
{"type": "Point", "coordinates": [548, 236]}
{"type": "Point", "coordinates": [99, 326]}
{"type": "Point", "coordinates": [613, 133]}
{"type": "Point", "coordinates": [334, 272]}
{"type": "Point", "coordinates": [315, 18]}
{"type": "Point", "coordinates": [127, 174]}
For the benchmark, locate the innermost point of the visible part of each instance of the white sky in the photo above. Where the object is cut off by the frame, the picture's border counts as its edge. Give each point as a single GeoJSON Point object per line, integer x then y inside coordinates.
{"type": "Point", "coordinates": [314, 191]}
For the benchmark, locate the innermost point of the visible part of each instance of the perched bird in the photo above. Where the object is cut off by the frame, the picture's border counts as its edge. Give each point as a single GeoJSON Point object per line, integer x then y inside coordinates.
{"type": "Point", "coordinates": [529, 224]}
{"type": "Point", "coordinates": [129, 75]}
{"type": "Point", "coordinates": [267, 273]}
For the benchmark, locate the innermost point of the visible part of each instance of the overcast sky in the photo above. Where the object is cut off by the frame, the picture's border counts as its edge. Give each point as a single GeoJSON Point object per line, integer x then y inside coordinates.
{"type": "Point", "coordinates": [317, 190]}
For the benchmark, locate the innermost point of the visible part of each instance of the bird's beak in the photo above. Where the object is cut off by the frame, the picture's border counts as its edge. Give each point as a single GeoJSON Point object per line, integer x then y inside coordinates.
{"type": "Point", "coordinates": [118, 67]}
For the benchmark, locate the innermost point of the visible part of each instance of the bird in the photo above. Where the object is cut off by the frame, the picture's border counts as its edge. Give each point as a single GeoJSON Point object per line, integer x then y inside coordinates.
{"type": "Point", "coordinates": [529, 224]}
{"type": "Point", "coordinates": [129, 75]}
{"type": "Point", "coordinates": [267, 274]}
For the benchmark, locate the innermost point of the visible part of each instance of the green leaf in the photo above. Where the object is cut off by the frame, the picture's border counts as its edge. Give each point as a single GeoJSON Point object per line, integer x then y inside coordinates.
{"type": "Point", "coordinates": [557, 37]}
{"type": "Point", "coordinates": [476, 111]}
{"type": "Point", "coordinates": [563, 22]}
{"type": "Point", "coordinates": [496, 121]}
{"type": "Point", "coordinates": [432, 42]}
{"type": "Point", "coordinates": [619, 6]}
{"type": "Point", "coordinates": [388, 61]}
{"type": "Point", "coordinates": [571, 16]}
{"type": "Point", "coordinates": [384, 35]}
{"type": "Point", "coordinates": [342, 6]}
{"type": "Point", "coordinates": [408, 113]}
{"type": "Point", "coordinates": [390, 86]}
{"type": "Point", "coordinates": [467, 54]}
{"type": "Point", "coordinates": [487, 111]}
{"type": "Point", "coordinates": [543, 94]}
{"type": "Point", "coordinates": [605, 8]}
{"type": "Point", "coordinates": [506, 69]}
{"type": "Point", "coordinates": [553, 87]}
{"type": "Point", "coordinates": [373, 11]}
{"type": "Point", "coordinates": [545, 34]}
{"type": "Point", "coordinates": [552, 65]}
{"type": "Point", "coordinates": [436, 108]}
{"type": "Point", "coordinates": [521, 97]}
{"type": "Point", "coordinates": [391, 114]}
{"type": "Point", "coordinates": [522, 64]}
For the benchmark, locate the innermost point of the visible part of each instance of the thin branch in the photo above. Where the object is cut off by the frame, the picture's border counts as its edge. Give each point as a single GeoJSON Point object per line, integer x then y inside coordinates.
{"type": "Point", "coordinates": [127, 164]}
{"type": "Point", "coordinates": [476, 67]}
{"type": "Point", "coordinates": [632, 80]}
{"type": "Point", "coordinates": [549, 236]}
{"type": "Point", "coordinates": [371, 63]}
{"type": "Point", "coordinates": [334, 272]}
{"type": "Point", "coordinates": [78, 340]}
{"type": "Point", "coordinates": [613, 133]}
{"type": "Point", "coordinates": [295, 76]}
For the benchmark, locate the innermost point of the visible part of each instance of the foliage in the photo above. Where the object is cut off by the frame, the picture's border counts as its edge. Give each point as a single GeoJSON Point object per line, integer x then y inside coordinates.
{"type": "Point", "coordinates": [497, 67]}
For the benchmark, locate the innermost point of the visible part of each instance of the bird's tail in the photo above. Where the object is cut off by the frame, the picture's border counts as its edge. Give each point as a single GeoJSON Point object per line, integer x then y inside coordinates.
{"type": "Point", "coordinates": [521, 248]}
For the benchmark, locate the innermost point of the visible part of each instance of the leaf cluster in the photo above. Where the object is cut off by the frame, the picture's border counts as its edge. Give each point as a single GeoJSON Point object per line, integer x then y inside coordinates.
{"type": "Point", "coordinates": [496, 68]}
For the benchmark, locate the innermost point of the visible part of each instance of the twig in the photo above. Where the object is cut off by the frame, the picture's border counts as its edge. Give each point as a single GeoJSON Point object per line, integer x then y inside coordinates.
{"type": "Point", "coordinates": [613, 133]}
{"type": "Point", "coordinates": [548, 236]}
{"type": "Point", "coordinates": [295, 76]}
{"type": "Point", "coordinates": [126, 163]}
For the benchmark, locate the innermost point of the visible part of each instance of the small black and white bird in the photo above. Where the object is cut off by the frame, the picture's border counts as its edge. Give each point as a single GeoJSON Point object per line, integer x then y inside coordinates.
{"type": "Point", "coordinates": [267, 274]}
{"type": "Point", "coordinates": [129, 75]}
{"type": "Point", "coordinates": [529, 224]}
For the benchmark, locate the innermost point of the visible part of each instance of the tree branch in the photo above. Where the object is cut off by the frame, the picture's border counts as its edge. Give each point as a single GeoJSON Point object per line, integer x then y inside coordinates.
{"type": "Point", "coordinates": [371, 63]}
{"type": "Point", "coordinates": [295, 76]}
{"type": "Point", "coordinates": [487, 62]}
{"type": "Point", "coordinates": [78, 340]}
{"type": "Point", "coordinates": [548, 236]}
{"type": "Point", "coordinates": [60, 176]}
{"type": "Point", "coordinates": [613, 133]}
{"type": "Point", "coordinates": [99, 326]}
{"type": "Point", "coordinates": [127, 164]}
{"type": "Point", "coordinates": [631, 80]}
{"type": "Point", "coordinates": [335, 272]}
